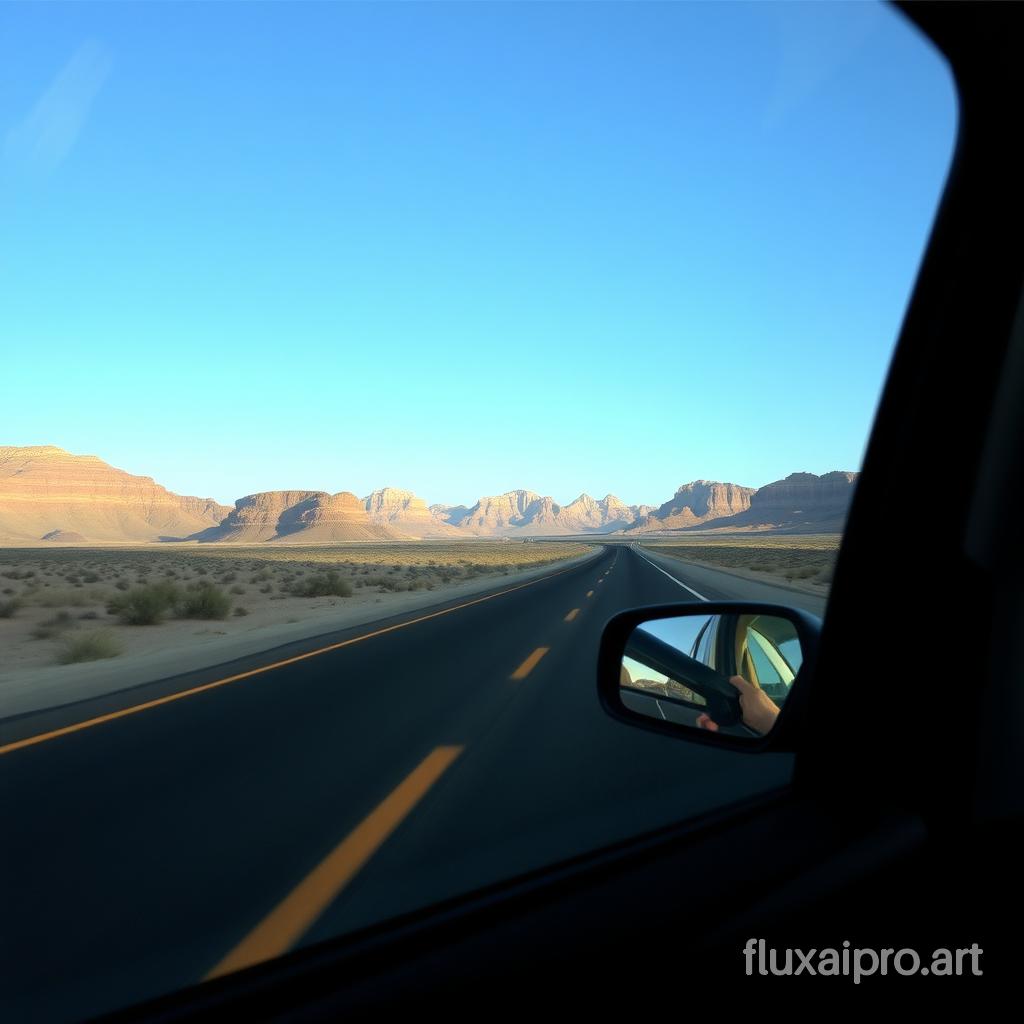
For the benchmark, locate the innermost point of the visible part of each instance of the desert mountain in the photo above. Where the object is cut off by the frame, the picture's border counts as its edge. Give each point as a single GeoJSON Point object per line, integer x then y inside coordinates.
{"type": "Point", "coordinates": [48, 492]}
{"type": "Point", "coordinates": [801, 503]}
{"type": "Point", "coordinates": [407, 513]}
{"type": "Point", "coordinates": [518, 513]}
{"type": "Point", "coordinates": [298, 517]}
{"type": "Point", "coordinates": [451, 515]}
{"type": "Point", "coordinates": [696, 503]}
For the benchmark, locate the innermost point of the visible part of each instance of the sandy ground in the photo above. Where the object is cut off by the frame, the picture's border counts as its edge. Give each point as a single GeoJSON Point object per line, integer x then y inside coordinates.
{"type": "Point", "coordinates": [34, 637]}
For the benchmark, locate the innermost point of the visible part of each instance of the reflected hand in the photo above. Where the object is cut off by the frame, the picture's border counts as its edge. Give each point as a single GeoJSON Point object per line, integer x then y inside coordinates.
{"type": "Point", "coordinates": [758, 709]}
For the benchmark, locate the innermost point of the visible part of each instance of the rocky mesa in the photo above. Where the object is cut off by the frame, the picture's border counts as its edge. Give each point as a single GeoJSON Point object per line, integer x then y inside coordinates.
{"type": "Point", "coordinates": [696, 503]}
{"type": "Point", "coordinates": [800, 503]}
{"type": "Point", "coordinates": [298, 517]}
{"type": "Point", "coordinates": [404, 511]}
{"type": "Point", "coordinates": [46, 492]}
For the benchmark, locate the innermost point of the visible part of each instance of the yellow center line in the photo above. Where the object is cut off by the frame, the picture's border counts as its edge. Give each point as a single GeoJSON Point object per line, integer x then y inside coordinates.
{"type": "Point", "coordinates": [590, 593]}
{"type": "Point", "coordinates": [572, 615]}
{"type": "Point", "coordinates": [294, 915]}
{"type": "Point", "coordinates": [530, 664]}
{"type": "Point", "coordinates": [88, 723]}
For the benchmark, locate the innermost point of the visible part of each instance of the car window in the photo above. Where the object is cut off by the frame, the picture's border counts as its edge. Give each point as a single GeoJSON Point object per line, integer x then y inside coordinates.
{"type": "Point", "coordinates": [361, 361]}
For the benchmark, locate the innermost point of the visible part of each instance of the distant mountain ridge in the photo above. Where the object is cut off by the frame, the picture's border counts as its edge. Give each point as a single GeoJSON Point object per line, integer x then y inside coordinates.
{"type": "Point", "coordinates": [48, 494]}
{"type": "Point", "coordinates": [406, 513]}
{"type": "Point", "coordinates": [521, 512]}
{"type": "Point", "coordinates": [696, 503]}
{"type": "Point", "coordinates": [801, 503]}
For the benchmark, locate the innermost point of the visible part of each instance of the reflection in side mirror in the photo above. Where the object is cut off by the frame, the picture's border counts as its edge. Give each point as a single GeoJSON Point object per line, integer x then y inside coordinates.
{"type": "Point", "coordinates": [724, 669]}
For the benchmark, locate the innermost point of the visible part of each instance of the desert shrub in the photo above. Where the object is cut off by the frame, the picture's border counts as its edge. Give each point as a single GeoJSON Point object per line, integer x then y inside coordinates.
{"type": "Point", "coordinates": [241, 611]}
{"type": "Point", "coordinates": [59, 597]}
{"type": "Point", "coordinates": [122, 584]}
{"type": "Point", "coordinates": [145, 605]}
{"type": "Point", "coordinates": [53, 626]}
{"type": "Point", "coordinates": [324, 584]}
{"type": "Point", "coordinates": [260, 577]}
{"type": "Point", "coordinates": [238, 589]}
{"type": "Point", "coordinates": [802, 572]}
{"type": "Point", "coordinates": [93, 614]}
{"type": "Point", "coordinates": [204, 601]}
{"type": "Point", "coordinates": [92, 646]}
{"type": "Point", "coordinates": [90, 577]}
{"type": "Point", "coordinates": [8, 608]}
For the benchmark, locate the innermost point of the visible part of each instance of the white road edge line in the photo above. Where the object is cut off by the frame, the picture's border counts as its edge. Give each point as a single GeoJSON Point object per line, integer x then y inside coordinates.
{"type": "Point", "coordinates": [700, 597]}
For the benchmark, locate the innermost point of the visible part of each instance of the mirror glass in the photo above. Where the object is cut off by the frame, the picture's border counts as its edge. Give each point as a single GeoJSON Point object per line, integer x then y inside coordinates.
{"type": "Point", "coordinates": [729, 673]}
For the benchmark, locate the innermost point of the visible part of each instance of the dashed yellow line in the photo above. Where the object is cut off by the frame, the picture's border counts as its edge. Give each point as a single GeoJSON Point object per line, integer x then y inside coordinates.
{"type": "Point", "coordinates": [294, 915]}
{"type": "Point", "coordinates": [530, 664]}
{"type": "Point", "coordinates": [572, 615]}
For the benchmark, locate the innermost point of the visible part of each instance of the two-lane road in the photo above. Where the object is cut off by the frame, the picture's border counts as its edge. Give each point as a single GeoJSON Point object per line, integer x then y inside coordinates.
{"type": "Point", "coordinates": [192, 825]}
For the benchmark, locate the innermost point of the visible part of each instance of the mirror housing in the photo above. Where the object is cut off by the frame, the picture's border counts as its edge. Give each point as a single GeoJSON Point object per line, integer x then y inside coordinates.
{"type": "Point", "coordinates": [692, 689]}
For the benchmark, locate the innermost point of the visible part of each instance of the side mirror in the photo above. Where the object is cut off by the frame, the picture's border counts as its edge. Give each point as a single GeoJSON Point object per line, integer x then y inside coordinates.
{"type": "Point", "coordinates": [715, 672]}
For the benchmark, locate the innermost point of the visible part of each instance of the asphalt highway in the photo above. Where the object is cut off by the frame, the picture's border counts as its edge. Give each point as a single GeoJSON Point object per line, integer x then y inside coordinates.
{"type": "Point", "coordinates": [194, 825]}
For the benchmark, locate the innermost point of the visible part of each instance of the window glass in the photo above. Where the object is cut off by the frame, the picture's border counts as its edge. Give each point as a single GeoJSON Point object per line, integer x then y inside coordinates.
{"type": "Point", "coordinates": [360, 361]}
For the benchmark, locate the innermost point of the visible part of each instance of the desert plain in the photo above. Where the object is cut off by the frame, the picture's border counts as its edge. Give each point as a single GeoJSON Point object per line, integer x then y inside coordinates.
{"type": "Point", "coordinates": [61, 605]}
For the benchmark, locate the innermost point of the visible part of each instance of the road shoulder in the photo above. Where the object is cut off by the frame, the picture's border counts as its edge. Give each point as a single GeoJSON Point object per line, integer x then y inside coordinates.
{"type": "Point", "coordinates": [40, 688]}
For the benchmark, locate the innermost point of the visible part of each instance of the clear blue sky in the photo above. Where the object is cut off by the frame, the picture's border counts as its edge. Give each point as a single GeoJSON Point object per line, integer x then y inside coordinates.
{"type": "Point", "coordinates": [460, 248]}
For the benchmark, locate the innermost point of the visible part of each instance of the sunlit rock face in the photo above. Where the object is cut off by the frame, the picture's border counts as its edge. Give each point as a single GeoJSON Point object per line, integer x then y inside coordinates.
{"type": "Point", "coordinates": [404, 511]}
{"type": "Point", "coordinates": [801, 503]}
{"type": "Point", "coordinates": [523, 512]}
{"type": "Point", "coordinates": [45, 491]}
{"type": "Point", "coordinates": [696, 503]}
{"type": "Point", "coordinates": [501, 514]}
{"type": "Point", "coordinates": [298, 517]}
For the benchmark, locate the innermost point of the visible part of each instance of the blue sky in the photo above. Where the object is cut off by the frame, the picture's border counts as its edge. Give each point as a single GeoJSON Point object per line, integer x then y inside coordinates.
{"type": "Point", "coordinates": [460, 248]}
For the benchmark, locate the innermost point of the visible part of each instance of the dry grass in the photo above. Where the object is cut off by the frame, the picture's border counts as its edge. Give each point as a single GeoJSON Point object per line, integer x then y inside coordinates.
{"type": "Point", "coordinates": [76, 577]}
{"type": "Point", "coordinates": [45, 592]}
{"type": "Point", "coordinates": [809, 559]}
